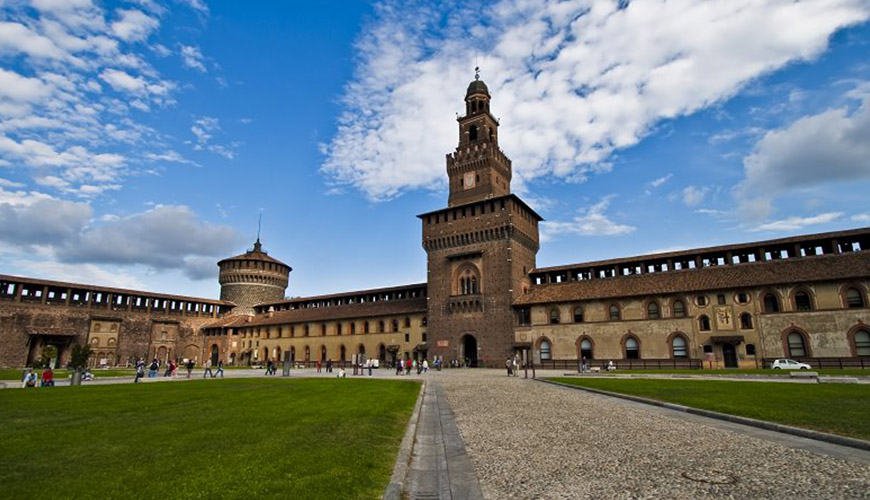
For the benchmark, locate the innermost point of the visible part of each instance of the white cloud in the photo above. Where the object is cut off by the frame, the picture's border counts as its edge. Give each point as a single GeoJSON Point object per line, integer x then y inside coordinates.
{"type": "Point", "coordinates": [833, 146]}
{"type": "Point", "coordinates": [198, 5]}
{"type": "Point", "coordinates": [80, 273]}
{"type": "Point", "coordinates": [15, 87]}
{"type": "Point", "coordinates": [591, 221]}
{"type": "Point", "coordinates": [797, 223]}
{"type": "Point", "coordinates": [660, 181]}
{"type": "Point", "coordinates": [861, 217]}
{"type": "Point", "coordinates": [122, 81]}
{"type": "Point", "coordinates": [694, 195]}
{"type": "Point", "coordinates": [133, 25]}
{"type": "Point", "coordinates": [192, 58]}
{"type": "Point", "coordinates": [571, 81]}
{"type": "Point", "coordinates": [15, 37]}
{"type": "Point", "coordinates": [204, 129]}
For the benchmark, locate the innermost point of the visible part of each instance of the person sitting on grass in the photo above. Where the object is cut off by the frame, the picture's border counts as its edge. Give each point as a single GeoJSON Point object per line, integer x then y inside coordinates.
{"type": "Point", "coordinates": [47, 377]}
{"type": "Point", "coordinates": [29, 379]}
{"type": "Point", "coordinates": [342, 373]}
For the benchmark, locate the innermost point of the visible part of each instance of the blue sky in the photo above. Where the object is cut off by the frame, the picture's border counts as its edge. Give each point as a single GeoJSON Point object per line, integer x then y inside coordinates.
{"type": "Point", "coordinates": [140, 140]}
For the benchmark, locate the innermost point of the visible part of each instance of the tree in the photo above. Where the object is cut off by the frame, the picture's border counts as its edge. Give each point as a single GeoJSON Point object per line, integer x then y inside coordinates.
{"type": "Point", "coordinates": [79, 357]}
{"type": "Point", "coordinates": [49, 353]}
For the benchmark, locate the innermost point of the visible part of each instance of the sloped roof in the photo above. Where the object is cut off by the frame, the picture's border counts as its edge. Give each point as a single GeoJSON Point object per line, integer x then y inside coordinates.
{"type": "Point", "coordinates": [797, 270]}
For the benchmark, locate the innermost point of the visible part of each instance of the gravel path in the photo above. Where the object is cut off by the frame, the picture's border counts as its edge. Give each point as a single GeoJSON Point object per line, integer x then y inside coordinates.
{"type": "Point", "coordinates": [535, 441]}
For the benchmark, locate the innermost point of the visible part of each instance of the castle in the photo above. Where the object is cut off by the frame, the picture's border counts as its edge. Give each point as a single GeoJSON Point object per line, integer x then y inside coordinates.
{"type": "Point", "coordinates": [484, 298]}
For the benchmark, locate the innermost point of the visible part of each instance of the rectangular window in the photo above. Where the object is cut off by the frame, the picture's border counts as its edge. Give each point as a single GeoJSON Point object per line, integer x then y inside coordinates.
{"type": "Point", "coordinates": [721, 299]}
{"type": "Point", "coordinates": [407, 337]}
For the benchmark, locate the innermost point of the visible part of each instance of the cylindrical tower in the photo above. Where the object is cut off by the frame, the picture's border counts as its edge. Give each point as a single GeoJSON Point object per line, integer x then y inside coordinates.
{"type": "Point", "coordinates": [252, 278]}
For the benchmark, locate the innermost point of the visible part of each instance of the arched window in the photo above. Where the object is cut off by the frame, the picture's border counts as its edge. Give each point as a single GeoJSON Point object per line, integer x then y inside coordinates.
{"type": "Point", "coordinates": [614, 312]}
{"type": "Point", "coordinates": [545, 350]}
{"type": "Point", "coordinates": [578, 314]}
{"type": "Point", "coordinates": [652, 310]}
{"type": "Point", "coordinates": [746, 321]}
{"type": "Point", "coordinates": [796, 346]}
{"type": "Point", "coordinates": [381, 326]}
{"type": "Point", "coordinates": [366, 327]}
{"type": "Point", "coordinates": [679, 309]}
{"type": "Point", "coordinates": [306, 331]}
{"type": "Point", "coordinates": [802, 301]}
{"type": "Point", "coordinates": [342, 353]}
{"type": "Point", "coordinates": [353, 328]}
{"type": "Point", "coordinates": [854, 298]}
{"type": "Point", "coordinates": [467, 281]}
{"type": "Point", "coordinates": [554, 316]}
{"type": "Point", "coordinates": [771, 303]}
{"type": "Point", "coordinates": [338, 328]}
{"type": "Point", "coordinates": [586, 349]}
{"type": "Point", "coordinates": [704, 323]}
{"type": "Point", "coordinates": [395, 325]}
{"type": "Point", "coordinates": [862, 343]}
{"type": "Point", "coordinates": [632, 349]}
{"type": "Point", "coordinates": [679, 348]}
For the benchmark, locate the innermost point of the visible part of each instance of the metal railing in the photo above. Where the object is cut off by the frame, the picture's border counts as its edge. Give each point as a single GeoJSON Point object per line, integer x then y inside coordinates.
{"type": "Point", "coordinates": [622, 364]}
{"type": "Point", "coordinates": [861, 363]}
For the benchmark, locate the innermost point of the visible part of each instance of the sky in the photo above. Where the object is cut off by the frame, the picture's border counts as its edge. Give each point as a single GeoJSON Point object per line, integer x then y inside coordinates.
{"type": "Point", "coordinates": [141, 140]}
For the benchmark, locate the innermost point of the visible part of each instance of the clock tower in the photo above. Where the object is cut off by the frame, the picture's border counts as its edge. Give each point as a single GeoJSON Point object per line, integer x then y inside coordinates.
{"type": "Point", "coordinates": [480, 248]}
{"type": "Point", "coordinates": [477, 170]}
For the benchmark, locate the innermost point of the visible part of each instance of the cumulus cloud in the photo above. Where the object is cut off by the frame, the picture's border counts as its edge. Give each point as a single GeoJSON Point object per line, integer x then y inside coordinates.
{"type": "Point", "coordinates": [797, 223]}
{"type": "Point", "coordinates": [591, 221]}
{"type": "Point", "coordinates": [163, 238]}
{"type": "Point", "coordinates": [571, 81]}
{"type": "Point", "coordinates": [133, 24]}
{"type": "Point", "coordinates": [832, 146]}
{"type": "Point", "coordinates": [192, 58]}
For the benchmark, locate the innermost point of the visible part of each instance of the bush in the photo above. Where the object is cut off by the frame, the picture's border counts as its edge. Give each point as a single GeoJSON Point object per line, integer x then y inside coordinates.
{"type": "Point", "coordinates": [49, 352]}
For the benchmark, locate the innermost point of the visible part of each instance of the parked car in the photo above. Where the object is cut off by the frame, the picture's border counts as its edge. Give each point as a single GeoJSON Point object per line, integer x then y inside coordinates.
{"type": "Point", "coordinates": [789, 364]}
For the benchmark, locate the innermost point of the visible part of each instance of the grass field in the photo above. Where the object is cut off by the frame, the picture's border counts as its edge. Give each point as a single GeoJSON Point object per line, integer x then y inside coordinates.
{"type": "Point", "coordinates": [846, 372]}
{"type": "Point", "coordinates": [16, 373]}
{"type": "Point", "coordinates": [840, 409]}
{"type": "Point", "coordinates": [231, 438]}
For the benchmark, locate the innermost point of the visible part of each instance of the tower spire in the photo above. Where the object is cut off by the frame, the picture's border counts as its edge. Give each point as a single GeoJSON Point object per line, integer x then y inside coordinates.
{"type": "Point", "coordinates": [257, 245]}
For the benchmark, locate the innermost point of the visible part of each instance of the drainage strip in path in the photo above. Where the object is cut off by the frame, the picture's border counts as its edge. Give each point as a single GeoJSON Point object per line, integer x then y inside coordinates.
{"type": "Point", "coordinates": [432, 461]}
{"type": "Point", "coordinates": [761, 424]}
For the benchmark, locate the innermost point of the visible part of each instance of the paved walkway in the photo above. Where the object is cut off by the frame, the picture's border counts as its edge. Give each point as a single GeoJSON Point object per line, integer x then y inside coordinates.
{"type": "Point", "coordinates": [440, 467]}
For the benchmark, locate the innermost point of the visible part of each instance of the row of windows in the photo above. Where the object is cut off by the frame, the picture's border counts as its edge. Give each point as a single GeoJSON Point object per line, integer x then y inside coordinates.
{"type": "Point", "coordinates": [770, 304]}
{"type": "Point", "coordinates": [252, 264]}
{"type": "Point", "coordinates": [338, 329]}
{"type": "Point", "coordinates": [795, 346]}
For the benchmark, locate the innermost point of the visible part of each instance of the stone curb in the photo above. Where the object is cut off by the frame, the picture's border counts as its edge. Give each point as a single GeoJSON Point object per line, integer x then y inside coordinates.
{"type": "Point", "coordinates": [785, 429]}
{"type": "Point", "coordinates": [403, 460]}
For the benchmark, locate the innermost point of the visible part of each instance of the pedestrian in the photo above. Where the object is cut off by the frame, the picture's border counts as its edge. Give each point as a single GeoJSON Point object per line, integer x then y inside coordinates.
{"type": "Point", "coordinates": [140, 369]}
{"type": "Point", "coordinates": [189, 367]}
{"type": "Point", "coordinates": [408, 365]}
{"type": "Point", "coordinates": [174, 365]}
{"type": "Point", "coordinates": [207, 370]}
{"type": "Point", "coordinates": [425, 365]}
{"type": "Point", "coordinates": [47, 377]}
{"type": "Point", "coordinates": [220, 370]}
{"type": "Point", "coordinates": [317, 365]}
{"type": "Point", "coordinates": [583, 365]}
{"type": "Point", "coordinates": [369, 365]}
{"type": "Point", "coordinates": [342, 373]}
{"type": "Point", "coordinates": [152, 370]}
{"type": "Point", "coordinates": [329, 366]}
{"type": "Point", "coordinates": [29, 379]}
{"type": "Point", "coordinates": [399, 366]}
{"type": "Point", "coordinates": [508, 365]}
{"type": "Point", "coordinates": [516, 366]}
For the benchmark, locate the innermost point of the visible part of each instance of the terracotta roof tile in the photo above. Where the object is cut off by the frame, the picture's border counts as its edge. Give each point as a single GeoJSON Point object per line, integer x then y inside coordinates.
{"type": "Point", "coordinates": [364, 310]}
{"type": "Point", "coordinates": [796, 270]}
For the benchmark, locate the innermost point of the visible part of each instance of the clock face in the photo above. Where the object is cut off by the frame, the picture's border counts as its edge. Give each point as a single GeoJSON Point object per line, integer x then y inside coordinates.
{"type": "Point", "coordinates": [469, 180]}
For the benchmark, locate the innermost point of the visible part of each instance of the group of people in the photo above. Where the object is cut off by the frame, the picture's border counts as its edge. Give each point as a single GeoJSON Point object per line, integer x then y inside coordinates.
{"type": "Point", "coordinates": [31, 379]}
{"type": "Point", "coordinates": [172, 368]}
{"type": "Point", "coordinates": [412, 364]}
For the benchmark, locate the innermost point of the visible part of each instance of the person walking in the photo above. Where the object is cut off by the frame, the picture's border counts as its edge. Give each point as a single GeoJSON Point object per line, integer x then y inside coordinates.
{"type": "Point", "coordinates": [515, 365]}
{"type": "Point", "coordinates": [317, 365]}
{"type": "Point", "coordinates": [509, 366]}
{"type": "Point", "coordinates": [189, 367]}
{"type": "Point", "coordinates": [174, 365]}
{"type": "Point", "coordinates": [220, 369]}
{"type": "Point", "coordinates": [399, 366]}
{"type": "Point", "coordinates": [329, 366]}
{"type": "Point", "coordinates": [425, 366]}
{"type": "Point", "coordinates": [369, 365]}
{"type": "Point", "coordinates": [408, 365]}
{"type": "Point", "coordinates": [140, 369]}
{"type": "Point", "coordinates": [152, 370]}
{"type": "Point", "coordinates": [207, 370]}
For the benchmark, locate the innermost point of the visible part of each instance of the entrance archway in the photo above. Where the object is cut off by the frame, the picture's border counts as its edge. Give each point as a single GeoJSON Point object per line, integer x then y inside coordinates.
{"type": "Point", "coordinates": [729, 354]}
{"type": "Point", "coordinates": [292, 354]}
{"type": "Point", "coordinates": [382, 353]}
{"type": "Point", "coordinates": [215, 354]}
{"type": "Point", "coordinates": [469, 350]}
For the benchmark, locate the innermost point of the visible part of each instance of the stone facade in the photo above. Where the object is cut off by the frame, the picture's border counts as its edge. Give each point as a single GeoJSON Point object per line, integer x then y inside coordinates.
{"type": "Point", "coordinates": [484, 299]}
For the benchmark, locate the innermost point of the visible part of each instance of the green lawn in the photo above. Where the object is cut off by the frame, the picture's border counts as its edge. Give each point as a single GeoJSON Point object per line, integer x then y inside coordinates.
{"type": "Point", "coordinates": [846, 372]}
{"type": "Point", "coordinates": [837, 408]}
{"type": "Point", "coordinates": [230, 438]}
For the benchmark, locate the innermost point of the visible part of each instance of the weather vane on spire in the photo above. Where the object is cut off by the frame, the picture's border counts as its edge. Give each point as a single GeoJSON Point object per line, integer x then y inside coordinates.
{"type": "Point", "coordinates": [477, 72]}
{"type": "Point", "coordinates": [259, 225]}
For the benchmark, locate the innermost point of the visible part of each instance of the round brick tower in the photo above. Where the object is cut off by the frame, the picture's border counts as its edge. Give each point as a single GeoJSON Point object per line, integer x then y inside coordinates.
{"type": "Point", "coordinates": [252, 278]}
